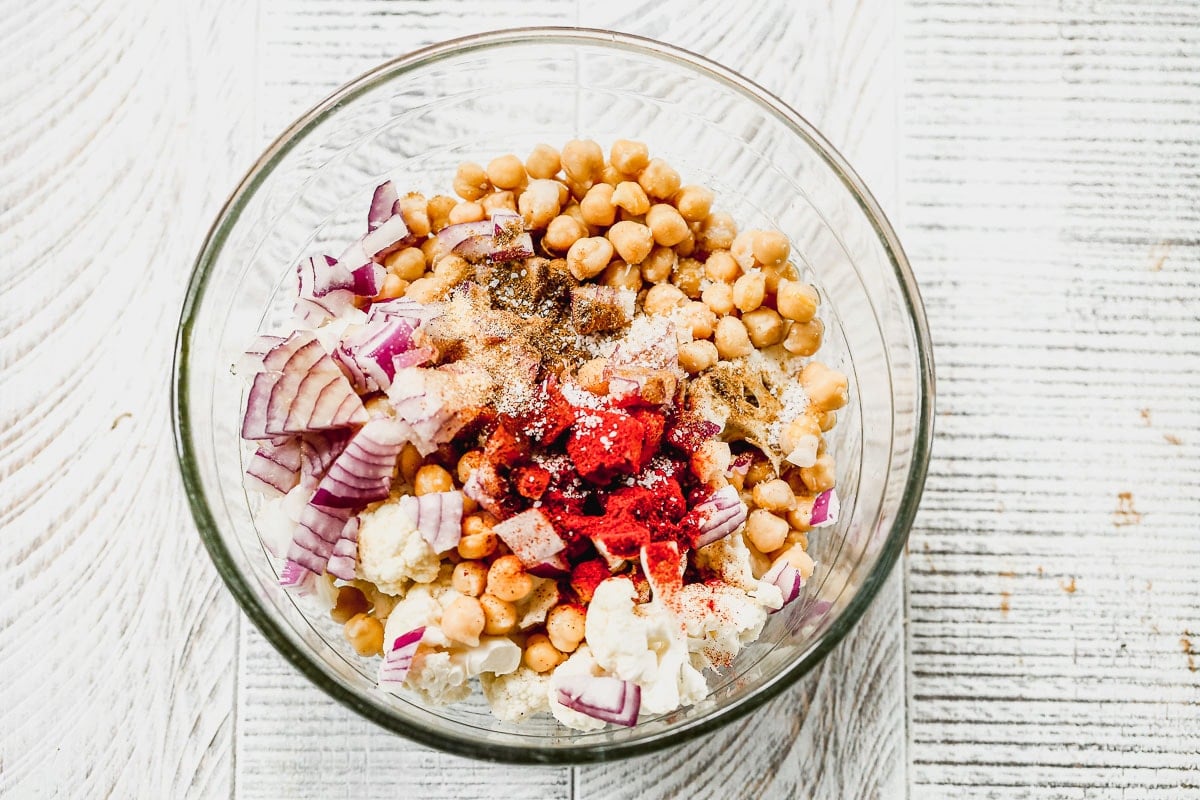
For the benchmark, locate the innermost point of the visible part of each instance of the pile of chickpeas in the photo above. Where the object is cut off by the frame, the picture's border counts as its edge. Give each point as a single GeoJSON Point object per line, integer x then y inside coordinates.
{"type": "Point", "coordinates": [626, 222]}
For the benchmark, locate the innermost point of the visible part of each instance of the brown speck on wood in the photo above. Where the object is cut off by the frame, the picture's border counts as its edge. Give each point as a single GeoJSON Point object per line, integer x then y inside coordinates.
{"type": "Point", "coordinates": [1172, 439]}
{"type": "Point", "coordinates": [1008, 574]}
{"type": "Point", "coordinates": [1041, 572]}
{"type": "Point", "coordinates": [1145, 412]}
{"type": "Point", "coordinates": [1188, 650]}
{"type": "Point", "coordinates": [1158, 256]}
{"type": "Point", "coordinates": [1126, 514]}
{"type": "Point", "coordinates": [1068, 586]}
{"type": "Point", "coordinates": [121, 416]}
{"type": "Point", "coordinates": [1149, 585]}
{"type": "Point", "coordinates": [1004, 605]}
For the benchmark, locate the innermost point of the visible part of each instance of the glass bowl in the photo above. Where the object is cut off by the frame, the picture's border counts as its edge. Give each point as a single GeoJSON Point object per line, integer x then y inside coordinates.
{"type": "Point", "coordinates": [414, 119]}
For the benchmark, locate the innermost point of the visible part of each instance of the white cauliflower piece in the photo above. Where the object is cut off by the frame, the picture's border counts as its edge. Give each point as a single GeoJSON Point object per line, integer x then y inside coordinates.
{"type": "Point", "coordinates": [419, 608]}
{"type": "Point", "coordinates": [518, 694]}
{"type": "Point", "coordinates": [729, 558]}
{"type": "Point", "coordinates": [720, 620]}
{"type": "Point", "coordinates": [495, 655]}
{"type": "Point", "coordinates": [391, 551]}
{"type": "Point", "coordinates": [437, 679]}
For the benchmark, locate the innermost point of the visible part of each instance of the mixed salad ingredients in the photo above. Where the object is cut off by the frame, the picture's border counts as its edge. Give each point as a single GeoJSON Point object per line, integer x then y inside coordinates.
{"type": "Point", "coordinates": [564, 434]}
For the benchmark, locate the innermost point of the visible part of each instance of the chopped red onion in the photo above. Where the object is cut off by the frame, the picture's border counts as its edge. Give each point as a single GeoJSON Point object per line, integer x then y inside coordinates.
{"type": "Point", "coordinates": [438, 516]}
{"type": "Point", "coordinates": [317, 532]}
{"type": "Point", "coordinates": [530, 536]}
{"type": "Point", "coordinates": [398, 658]}
{"type": "Point", "coordinates": [417, 398]}
{"type": "Point", "coordinates": [383, 201]}
{"type": "Point", "coordinates": [601, 697]}
{"type": "Point", "coordinates": [275, 468]}
{"type": "Point", "coordinates": [363, 472]}
{"type": "Point", "coordinates": [300, 390]}
{"type": "Point", "coordinates": [451, 236]}
{"type": "Point", "coordinates": [413, 358]}
{"type": "Point", "coordinates": [719, 515]}
{"type": "Point", "coordinates": [297, 577]}
{"type": "Point", "coordinates": [390, 235]}
{"type": "Point", "coordinates": [787, 578]}
{"type": "Point", "coordinates": [317, 453]}
{"type": "Point", "coordinates": [553, 567]}
{"type": "Point", "coordinates": [825, 510]}
{"type": "Point", "coordinates": [325, 289]}
{"type": "Point", "coordinates": [509, 239]}
{"type": "Point", "coordinates": [345, 552]}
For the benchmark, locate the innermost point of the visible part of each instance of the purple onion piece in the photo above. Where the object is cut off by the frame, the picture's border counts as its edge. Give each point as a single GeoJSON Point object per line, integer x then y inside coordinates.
{"type": "Point", "coordinates": [398, 658]}
{"type": "Point", "coordinates": [601, 697]}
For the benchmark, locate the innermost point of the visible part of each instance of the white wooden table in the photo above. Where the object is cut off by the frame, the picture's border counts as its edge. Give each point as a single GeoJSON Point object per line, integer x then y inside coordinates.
{"type": "Point", "coordinates": [1042, 162]}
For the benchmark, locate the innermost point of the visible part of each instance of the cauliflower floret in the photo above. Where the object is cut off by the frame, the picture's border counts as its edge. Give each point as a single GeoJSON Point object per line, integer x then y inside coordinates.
{"type": "Point", "coordinates": [719, 621]}
{"type": "Point", "coordinates": [437, 679]}
{"type": "Point", "coordinates": [419, 608]}
{"type": "Point", "coordinates": [729, 558]}
{"type": "Point", "coordinates": [277, 517]}
{"type": "Point", "coordinates": [496, 655]}
{"type": "Point", "coordinates": [392, 552]}
{"type": "Point", "coordinates": [517, 695]}
{"type": "Point", "coordinates": [580, 663]}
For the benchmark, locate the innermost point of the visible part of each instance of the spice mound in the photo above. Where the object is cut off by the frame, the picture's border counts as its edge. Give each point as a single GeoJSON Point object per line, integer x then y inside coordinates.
{"type": "Point", "coordinates": [562, 435]}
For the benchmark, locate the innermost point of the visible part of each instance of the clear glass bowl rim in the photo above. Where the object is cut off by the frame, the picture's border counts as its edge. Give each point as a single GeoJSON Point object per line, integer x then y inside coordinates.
{"type": "Point", "coordinates": [462, 744]}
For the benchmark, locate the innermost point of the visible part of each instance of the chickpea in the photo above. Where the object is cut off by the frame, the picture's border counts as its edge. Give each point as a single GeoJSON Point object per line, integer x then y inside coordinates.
{"type": "Point", "coordinates": [796, 300]}
{"type": "Point", "coordinates": [694, 202]}
{"type": "Point", "coordinates": [500, 616]}
{"type": "Point", "coordinates": [597, 206]}
{"type": "Point", "coordinates": [620, 275]}
{"type": "Point", "coordinates": [720, 266]}
{"type": "Point", "coordinates": [470, 506]}
{"type": "Point", "coordinates": [573, 211]}
{"type": "Point", "coordinates": [764, 325]}
{"type": "Point", "coordinates": [631, 197]}
{"type": "Point", "coordinates": [430, 479]}
{"type": "Point", "coordinates": [820, 476]}
{"type": "Point", "coordinates": [588, 257]}
{"type": "Point", "coordinates": [540, 203]}
{"type": "Point", "coordinates": [731, 338]}
{"type": "Point", "coordinates": [774, 495]}
{"type": "Point", "coordinates": [438, 211]}
{"type": "Point", "coordinates": [426, 290]}
{"type": "Point", "coordinates": [766, 531]}
{"type": "Point", "coordinates": [565, 625]}
{"type": "Point", "coordinates": [452, 269]}
{"type": "Point", "coordinates": [804, 338]}
{"type": "Point", "coordinates": [700, 318]}
{"type": "Point", "coordinates": [582, 160]}
{"type": "Point", "coordinates": [469, 577]}
{"type": "Point", "coordinates": [632, 240]}
{"type": "Point", "coordinates": [771, 248]}
{"type": "Point", "coordinates": [800, 430]}
{"type": "Point", "coordinates": [688, 276]}
{"type": "Point", "coordinates": [666, 225]}
{"type": "Point", "coordinates": [563, 232]}
{"type": "Point", "coordinates": [365, 634]}
{"type": "Point", "coordinates": [470, 181]}
{"type": "Point", "coordinates": [659, 179]}
{"type": "Point", "coordinates": [800, 517]}
{"type": "Point", "coordinates": [468, 462]}
{"type": "Point", "coordinates": [506, 172]}
{"type": "Point", "coordinates": [611, 175]}
{"type": "Point", "coordinates": [543, 162]}
{"type": "Point", "coordinates": [663, 298]}
{"type": "Point", "coordinates": [629, 157]}
{"type": "Point", "coordinates": [718, 231]}
{"type": "Point", "coordinates": [825, 387]}
{"type": "Point", "coordinates": [430, 249]}
{"type": "Point", "coordinates": [407, 264]}
{"type": "Point", "coordinates": [742, 249]}
{"type": "Point", "coordinates": [467, 212]}
{"type": "Point", "coordinates": [749, 291]}
{"type": "Point", "coordinates": [697, 356]}
{"type": "Point", "coordinates": [477, 545]}
{"type": "Point", "coordinates": [393, 287]}
{"type": "Point", "coordinates": [414, 210]}
{"type": "Point", "coordinates": [350, 603]}
{"type": "Point", "coordinates": [508, 580]}
{"type": "Point", "coordinates": [718, 297]}
{"type": "Point", "coordinates": [476, 524]}
{"type": "Point", "coordinates": [761, 470]}
{"type": "Point", "coordinates": [499, 201]}
{"type": "Point", "coordinates": [800, 560]}
{"type": "Point", "coordinates": [540, 654]}
{"type": "Point", "coordinates": [659, 265]}
{"type": "Point", "coordinates": [410, 462]}
{"type": "Point", "coordinates": [827, 421]}
{"type": "Point", "coordinates": [463, 620]}
{"type": "Point", "coordinates": [796, 537]}
{"type": "Point", "coordinates": [577, 189]}
{"type": "Point", "coordinates": [590, 376]}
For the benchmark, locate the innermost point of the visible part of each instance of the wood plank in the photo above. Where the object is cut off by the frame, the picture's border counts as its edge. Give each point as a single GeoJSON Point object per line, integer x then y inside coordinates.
{"type": "Point", "coordinates": [841, 732]}
{"type": "Point", "coordinates": [117, 674]}
{"type": "Point", "coordinates": [1051, 173]}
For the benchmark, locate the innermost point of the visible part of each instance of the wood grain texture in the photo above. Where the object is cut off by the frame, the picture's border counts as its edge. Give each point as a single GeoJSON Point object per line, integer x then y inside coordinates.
{"type": "Point", "coordinates": [1052, 170]}
{"type": "Point", "coordinates": [117, 673]}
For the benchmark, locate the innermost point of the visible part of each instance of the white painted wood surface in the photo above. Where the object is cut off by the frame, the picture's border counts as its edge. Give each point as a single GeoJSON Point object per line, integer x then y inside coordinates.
{"type": "Point", "coordinates": [1044, 166]}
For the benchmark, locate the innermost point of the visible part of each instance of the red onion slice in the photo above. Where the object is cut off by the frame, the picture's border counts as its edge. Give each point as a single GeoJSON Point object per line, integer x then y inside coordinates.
{"type": "Point", "coordinates": [603, 698]}
{"type": "Point", "coordinates": [345, 552]}
{"type": "Point", "coordinates": [452, 236]}
{"type": "Point", "coordinates": [719, 515]}
{"type": "Point", "coordinates": [367, 354]}
{"type": "Point", "coordinates": [363, 472]}
{"type": "Point", "coordinates": [787, 578]}
{"type": "Point", "coordinates": [275, 468]}
{"type": "Point", "coordinates": [318, 530]}
{"type": "Point", "coordinates": [530, 536]}
{"type": "Point", "coordinates": [438, 516]}
{"type": "Point", "coordinates": [317, 453]}
{"type": "Point", "coordinates": [509, 239]}
{"type": "Point", "coordinates": [297, 577]}
{"type": "Point", "coordinates": [554, 567]}
{"type": "Point", "coordinates": [382, 202]}
{"type": "Point", "coordinates": [825, 510]}
{"type": "Point", "coordinates": [398, 658]}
